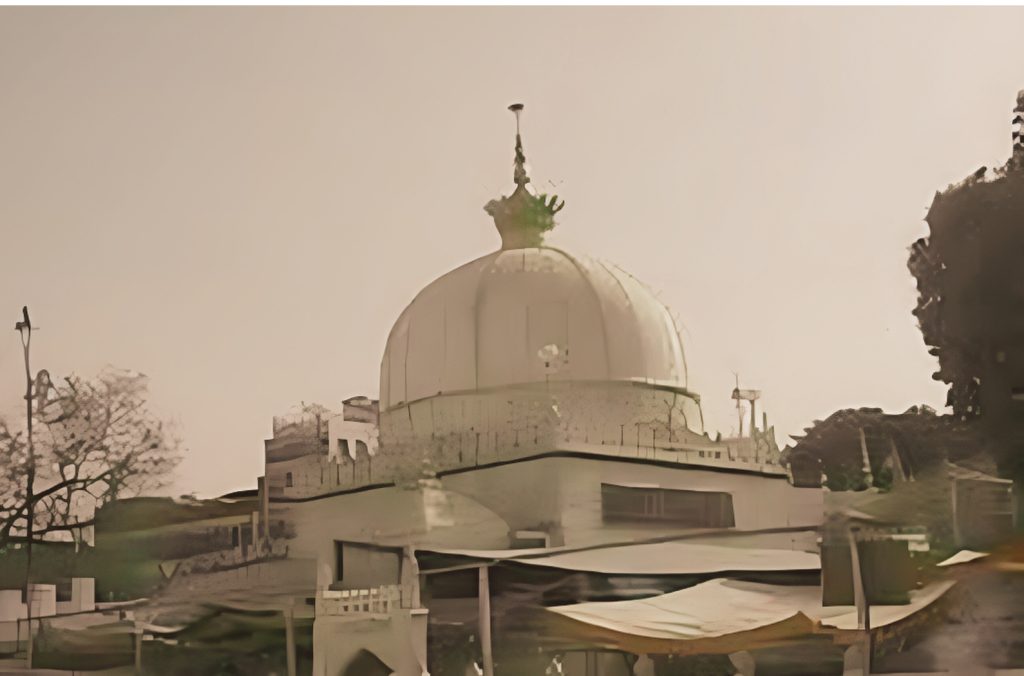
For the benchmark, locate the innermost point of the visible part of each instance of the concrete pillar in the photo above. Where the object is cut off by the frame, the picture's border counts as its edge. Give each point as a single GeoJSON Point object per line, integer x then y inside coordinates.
{"type": "Point", "coordinates": [410, 579]}
{"type": "Point", "coordinates": [83, 593]}
{"type": "Point", "coordinates": [860, 659]}
{"type": "Point", "coordinates": [644, 666]}
{"type": "Point", "coordinates": [744, 663]}
{"type": "Point", "coordinates": [854, 662]}
{"type": "Point", "coordinates": [484, 598]}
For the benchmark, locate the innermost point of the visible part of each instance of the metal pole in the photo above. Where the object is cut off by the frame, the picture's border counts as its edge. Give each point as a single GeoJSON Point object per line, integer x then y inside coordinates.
{"type": "Point", "coordinates": [24, 327]}
{"type": "Point", "coordinates": [138, 650]}
{"type": "Point", "coordinates": [289, 635]}
{"type": "Point", "coordinates": [956, 515]}
{"type": "Point", "coordinates": [484, 594]}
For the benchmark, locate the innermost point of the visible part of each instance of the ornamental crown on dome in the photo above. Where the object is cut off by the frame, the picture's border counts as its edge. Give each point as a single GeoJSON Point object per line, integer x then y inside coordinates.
{"type": "Point", "coordinates": [522, 218]}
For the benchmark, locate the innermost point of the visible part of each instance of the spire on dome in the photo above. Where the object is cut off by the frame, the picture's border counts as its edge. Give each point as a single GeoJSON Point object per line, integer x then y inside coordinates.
{"type": "Point", "coordinates": [522, 218]}
{"type": "Point", "coordinates": [519, 175]}
{"type": "Point", "coordinates": [1018, 126]}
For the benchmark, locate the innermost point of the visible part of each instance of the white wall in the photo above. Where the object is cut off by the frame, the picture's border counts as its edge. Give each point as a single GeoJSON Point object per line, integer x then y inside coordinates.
{"type": "Point", "coordinates": [424, 516]}
{"type": "Point", "coordinates": [477, 509]}
{"type": "Point", "coordinates": [566, 492]}
{"type": "Point", "coordinates": [400, 641]}
{"type": "Point", "coordinates": [11, 607]}
{"type": "Point", "coordinates": [83, 597]}
{"type": "Point", "coordinates": [339, 428]}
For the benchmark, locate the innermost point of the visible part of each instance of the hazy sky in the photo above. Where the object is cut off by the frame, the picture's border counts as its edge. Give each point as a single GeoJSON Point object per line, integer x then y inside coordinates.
{"type": "Point", "coordinates": [239, 202]}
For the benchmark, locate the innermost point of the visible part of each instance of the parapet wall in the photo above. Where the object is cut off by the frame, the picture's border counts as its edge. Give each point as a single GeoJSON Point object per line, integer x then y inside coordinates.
{"type": "Point", "coordinates": [456, 431]}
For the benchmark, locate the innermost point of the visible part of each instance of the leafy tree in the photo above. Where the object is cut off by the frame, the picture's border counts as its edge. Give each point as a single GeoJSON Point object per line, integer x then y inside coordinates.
{"type": "Point", "coordinates": [94, 440]}
{"type": "Point", "coordinates": [970, 301]}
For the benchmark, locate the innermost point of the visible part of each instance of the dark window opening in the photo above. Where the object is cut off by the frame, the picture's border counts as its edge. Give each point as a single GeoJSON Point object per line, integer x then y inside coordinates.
{"type": "Point", "coordinates": [288, 480]}
{"type": "Point", "coordinates": [529, 543]}
{"type": "Point", "coordinates": [339, 561]}
{"type": "Point", "coordinates": [691, 509]}
{"type": "Point", "coordinates": [64, 591]}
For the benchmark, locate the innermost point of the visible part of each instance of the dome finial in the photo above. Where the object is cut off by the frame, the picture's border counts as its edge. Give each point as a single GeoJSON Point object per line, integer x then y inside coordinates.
{"type": "Point", "coordinates": [523, 218]}
{"type": "Point", "coordinates": [519, 175]}
{"type": "Point", "coordinates": [1018, 126]}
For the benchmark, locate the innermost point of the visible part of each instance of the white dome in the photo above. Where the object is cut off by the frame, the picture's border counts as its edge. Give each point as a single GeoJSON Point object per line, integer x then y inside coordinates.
{"type": "Point", "coordinates": [520, 316]}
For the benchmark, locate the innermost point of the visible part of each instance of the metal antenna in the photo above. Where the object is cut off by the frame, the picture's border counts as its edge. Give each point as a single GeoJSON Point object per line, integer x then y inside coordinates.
{"type": "Point", "coordinates": [739, 407]}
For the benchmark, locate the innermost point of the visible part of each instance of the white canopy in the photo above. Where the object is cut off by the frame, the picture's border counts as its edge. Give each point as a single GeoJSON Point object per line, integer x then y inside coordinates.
{"type": "Point", "coordinates": [659, 558]}
{"type": "Point", "coordinates": [724, 609]}
{"type": "Point", "coordinates": [710, 609]}
{"type": "Point", "coordinates": [962, 556]}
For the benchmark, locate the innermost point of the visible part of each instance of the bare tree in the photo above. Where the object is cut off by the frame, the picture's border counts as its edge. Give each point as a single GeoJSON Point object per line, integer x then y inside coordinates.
{"type": "Point", "coordinates": [95, 441]}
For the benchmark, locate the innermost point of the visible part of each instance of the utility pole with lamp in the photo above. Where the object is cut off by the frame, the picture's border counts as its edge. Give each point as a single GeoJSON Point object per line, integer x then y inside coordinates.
{"type": "Point", "coordinates": [24, 328]}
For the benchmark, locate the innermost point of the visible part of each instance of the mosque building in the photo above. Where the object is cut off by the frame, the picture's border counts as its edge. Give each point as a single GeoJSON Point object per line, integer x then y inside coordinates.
{"type": "Point", "coordinates": [534, 492]}
{"type": "Point", "coordinates": [533, 402]}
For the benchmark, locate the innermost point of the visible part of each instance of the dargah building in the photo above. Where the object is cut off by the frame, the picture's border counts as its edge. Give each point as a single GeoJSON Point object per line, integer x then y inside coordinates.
{"type": "Point", "coordinates": [535, 471]}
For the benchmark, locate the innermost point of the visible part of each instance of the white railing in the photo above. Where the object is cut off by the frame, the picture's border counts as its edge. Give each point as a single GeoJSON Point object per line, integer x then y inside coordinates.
{"type": "Point", "coordinates": [375, 601]}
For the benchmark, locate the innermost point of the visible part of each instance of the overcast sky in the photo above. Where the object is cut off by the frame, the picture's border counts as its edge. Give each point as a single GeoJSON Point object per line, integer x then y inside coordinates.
{"type": "Point", "coordinates": [239, 202]}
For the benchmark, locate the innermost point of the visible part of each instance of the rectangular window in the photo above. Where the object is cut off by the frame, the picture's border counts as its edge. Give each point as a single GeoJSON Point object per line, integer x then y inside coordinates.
{"type": "Point", "coordinates": [288, 479]}
{"type": "Point", "coordinates": [529, 539]}
{"type": "Point", "coordinates": [64, 591]}
{"type": "Point", "coordinates": [689, 509]}
{"type": "Point", "coordinates": [339, 561]}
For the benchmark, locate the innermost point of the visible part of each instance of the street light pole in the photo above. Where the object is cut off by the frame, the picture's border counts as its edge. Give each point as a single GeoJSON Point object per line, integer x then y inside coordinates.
{"type": "Point", "coordinates": [24, 327]}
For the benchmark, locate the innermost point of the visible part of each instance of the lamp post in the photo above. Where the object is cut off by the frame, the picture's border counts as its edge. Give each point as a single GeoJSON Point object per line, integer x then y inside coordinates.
{"type": "Point", "coordinates": [24, 328]}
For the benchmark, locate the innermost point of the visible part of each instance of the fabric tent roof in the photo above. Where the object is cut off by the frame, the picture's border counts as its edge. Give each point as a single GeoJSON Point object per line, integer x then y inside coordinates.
{"type": "Point", "coordinates": [962, 556]}
{"type": "Point", "coordinates": [726, 615]}
{"type": "Point", "coordinates": [710, 609]}
{"type": "Point", "coordinates": [659, 558]}
{"type": "Point", "coordinates": [844, 618]}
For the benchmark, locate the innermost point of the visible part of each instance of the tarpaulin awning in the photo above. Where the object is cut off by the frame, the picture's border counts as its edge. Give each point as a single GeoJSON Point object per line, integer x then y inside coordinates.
{"type": "Point", "coordinates": [707, 610]}
{"type": "Point", "coordinates": [844, 618]}
{"type": "Point", "coordinates": [659, 558]}
{"type": "Point", "coordinates": [722, 616]}
{"type": "Point", "coordinates": [718, 616]}
{"type": "Point", "coordinates": [962, 556]}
